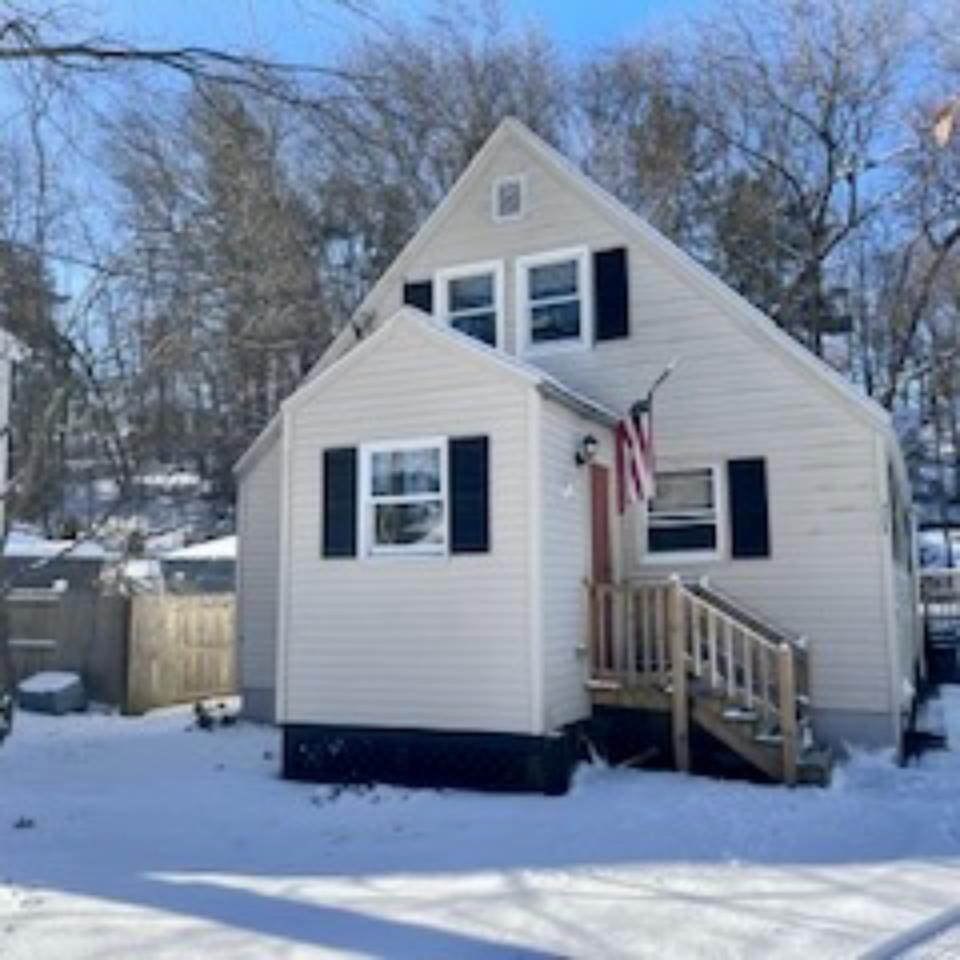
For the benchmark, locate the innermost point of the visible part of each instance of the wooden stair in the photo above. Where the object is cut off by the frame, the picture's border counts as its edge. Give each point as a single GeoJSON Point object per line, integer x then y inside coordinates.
{"type": "Point", "coordinates": [693, 653]}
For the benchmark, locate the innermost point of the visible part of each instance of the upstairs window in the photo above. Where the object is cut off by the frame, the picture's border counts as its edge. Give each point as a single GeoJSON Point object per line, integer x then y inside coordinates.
{"type": "Point", "coordinates": [683, 518]}
{"type": "Point", "coordinates": [552, 297]}
{"type": "Point", "coordinates": [471, 299]}
{"type": "Point", "coordinates": [405, 497]}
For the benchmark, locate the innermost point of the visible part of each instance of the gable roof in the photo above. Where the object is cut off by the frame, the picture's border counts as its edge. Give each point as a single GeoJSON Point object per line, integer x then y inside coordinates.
{"type": "Point", "coordinates": [660, 248]}
{"type": "Point", "coordinates": [450, 338]}
{"type": "Point", "coordinates": [663, 250]}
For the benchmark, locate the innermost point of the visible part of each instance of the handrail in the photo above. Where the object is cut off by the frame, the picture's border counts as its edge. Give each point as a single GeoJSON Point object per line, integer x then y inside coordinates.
{"type": "Point", "coordinates": [940, 584]}
{"type": "Point", "coordinates": [760, 624]}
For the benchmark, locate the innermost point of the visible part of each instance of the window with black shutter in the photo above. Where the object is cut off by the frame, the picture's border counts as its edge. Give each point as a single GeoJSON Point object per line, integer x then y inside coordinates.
{"type": "Point", "coordinates": [611, 294]}
{"type": "Point", "coordinates": [749, 514]}
{"type": "Point", "coordinates": [404, 500]}
{"type": "Point", "coordinates": [419, 294]}
{"type": "Point", "coordinates": [339, 484]}
{"type": "Point", "coordinates": [469, 467]}
{"type": "Point", "coordinates": [682, 517]}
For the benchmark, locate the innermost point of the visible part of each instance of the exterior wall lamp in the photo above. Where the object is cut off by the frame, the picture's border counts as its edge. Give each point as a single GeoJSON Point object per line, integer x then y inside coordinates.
{"type": "Point", "coordinates": [586, 450]}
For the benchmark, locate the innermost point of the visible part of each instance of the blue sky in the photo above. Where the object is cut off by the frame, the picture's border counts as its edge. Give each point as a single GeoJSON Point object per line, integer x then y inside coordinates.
{"type": "Point", "coordinates": [310, 30]}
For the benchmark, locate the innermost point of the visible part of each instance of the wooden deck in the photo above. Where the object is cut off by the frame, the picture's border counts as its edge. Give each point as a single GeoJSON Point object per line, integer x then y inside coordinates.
{"type": "Point", "coordinates": [687, 650]}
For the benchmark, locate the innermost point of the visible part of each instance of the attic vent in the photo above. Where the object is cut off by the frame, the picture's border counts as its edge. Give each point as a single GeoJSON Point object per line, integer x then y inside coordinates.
{"type": "Point", "coordinates": [508, 198]}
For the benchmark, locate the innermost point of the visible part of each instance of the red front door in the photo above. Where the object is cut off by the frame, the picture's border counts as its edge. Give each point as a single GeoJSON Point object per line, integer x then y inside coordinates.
{"type": "Point", "coordinates": [602, 565]}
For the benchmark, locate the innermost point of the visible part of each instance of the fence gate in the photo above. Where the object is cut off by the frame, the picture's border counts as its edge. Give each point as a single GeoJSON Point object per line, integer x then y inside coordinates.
{"type": "Point", "coordinates": [181, 648]}
{"type": "Point", "coordinates": [77, 630]}
{"type": "Point", "coordinates": [35, 625]}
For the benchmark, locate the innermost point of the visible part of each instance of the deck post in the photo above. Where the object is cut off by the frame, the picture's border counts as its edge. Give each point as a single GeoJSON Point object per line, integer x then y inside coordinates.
{"type": "Point", "coordinates": [786, 681]}
{"type": "Point", "coordinates": [678, 667]}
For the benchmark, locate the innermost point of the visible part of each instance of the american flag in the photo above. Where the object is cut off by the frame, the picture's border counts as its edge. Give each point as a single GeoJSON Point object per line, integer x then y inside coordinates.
{"type": "Point", "coordinates": [634, 449]}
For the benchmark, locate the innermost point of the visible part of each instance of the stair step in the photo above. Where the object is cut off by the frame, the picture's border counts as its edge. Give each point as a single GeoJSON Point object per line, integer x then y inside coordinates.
{"type": "Point", "coordinates": [773, 739]}
{"type": "Point", "coordinates": [740, 715]}
{"type": "Point", "coordinates": [595, 683]}
{"type": "Point", "coordinates": [706, 692]}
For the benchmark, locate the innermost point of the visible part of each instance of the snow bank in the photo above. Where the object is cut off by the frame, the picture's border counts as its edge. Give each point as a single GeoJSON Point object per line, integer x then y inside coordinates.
{"type": "Point", "coordinates": [171, 843]}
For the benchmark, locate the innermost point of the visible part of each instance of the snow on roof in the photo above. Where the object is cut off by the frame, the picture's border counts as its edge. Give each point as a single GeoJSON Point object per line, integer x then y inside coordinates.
{"type": "Point", "coordinates": [22, 544]}
{"type": "Point", "coordinates": [223, 548]}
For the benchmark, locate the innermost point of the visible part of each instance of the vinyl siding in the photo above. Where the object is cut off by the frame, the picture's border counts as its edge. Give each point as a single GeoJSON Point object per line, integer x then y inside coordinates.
{"type": "Point", "coordinates": [419, 642]}
{"type": "Point", "coordinates": [905, 592]}
{"type": "Point", "coordinates": [565, 557]}
{"type": "Point", "coordinates": [258, 579]}
{"type": "Point", "coordinates": [906, 632]}
{"type": "Point", "coordinates": [733, 394]}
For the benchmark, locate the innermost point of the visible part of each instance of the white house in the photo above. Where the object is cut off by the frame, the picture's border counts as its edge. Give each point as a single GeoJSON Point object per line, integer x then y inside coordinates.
{"type": "Point", "coordinates": [435, 581]}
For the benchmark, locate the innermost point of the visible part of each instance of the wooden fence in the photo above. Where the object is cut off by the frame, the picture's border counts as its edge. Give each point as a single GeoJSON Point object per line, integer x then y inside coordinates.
{"type": "Point", "coordinates": [180, 648]}
{"type": "Point", "coordinates": [135, 652]}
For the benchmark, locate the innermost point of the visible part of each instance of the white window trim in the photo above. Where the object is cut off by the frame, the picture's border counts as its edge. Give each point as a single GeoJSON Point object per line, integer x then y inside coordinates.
{"type": "Point", "coordinates": [498, 217]}
{"type": "Point", "coordinates": [720, 509]}
{"type": "Point", "coordinates": [495, 267]}
{"type": "Point", "coordinates": [368, 551]}
{"type": "Point", "coordinates": [524, 344]}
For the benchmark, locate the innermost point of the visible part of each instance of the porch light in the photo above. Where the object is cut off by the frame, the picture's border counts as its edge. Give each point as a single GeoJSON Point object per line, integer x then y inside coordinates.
{"type": "Point", "coordinates": [586, 450]}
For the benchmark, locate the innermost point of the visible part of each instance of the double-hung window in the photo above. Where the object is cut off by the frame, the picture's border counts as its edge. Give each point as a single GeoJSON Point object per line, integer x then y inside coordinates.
{"type": "Point", "coordinates": [404, 497]}
{"type": "Point", "coordinates": [471, 299]}
{"type": "Point", "coordinates": [553, 299]}
{"type": "Point", "coordinates": [683, 519]}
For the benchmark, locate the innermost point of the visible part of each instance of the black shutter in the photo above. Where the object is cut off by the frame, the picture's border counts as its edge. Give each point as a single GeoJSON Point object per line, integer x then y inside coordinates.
{"type": "Point", "coordinates": [469, 481]}
{"type": "Point", "coordinates": [419, 294]}
{"type": "Point", "coordinates": [340, 502]}
{"type": "Point", "coordinates": [749, 520]}
{"type": "Point", "coordinates": [611, 296]}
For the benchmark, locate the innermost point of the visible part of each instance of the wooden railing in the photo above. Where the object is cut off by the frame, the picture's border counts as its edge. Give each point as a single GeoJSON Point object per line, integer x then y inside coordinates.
{"type": "Point", "coordinates": [940, 593]}
{"type": "Point", "coordinates": [672, 635]}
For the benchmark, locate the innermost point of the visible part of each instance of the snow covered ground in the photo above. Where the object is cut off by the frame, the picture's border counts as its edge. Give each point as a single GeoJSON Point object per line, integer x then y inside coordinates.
{"type": "Point", "coordinates": [140, 838]}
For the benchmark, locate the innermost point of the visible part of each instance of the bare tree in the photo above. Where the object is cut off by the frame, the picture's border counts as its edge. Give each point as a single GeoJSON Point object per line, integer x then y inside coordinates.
{"type": "Point", "coordinates": [422, 98]}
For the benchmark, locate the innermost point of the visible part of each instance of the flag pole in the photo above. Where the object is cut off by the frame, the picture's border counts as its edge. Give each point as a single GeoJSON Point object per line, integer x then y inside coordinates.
{"type": "Point", "coordinates": [646, 403]}
{"type": "Point", "coordinates": [664, 374]}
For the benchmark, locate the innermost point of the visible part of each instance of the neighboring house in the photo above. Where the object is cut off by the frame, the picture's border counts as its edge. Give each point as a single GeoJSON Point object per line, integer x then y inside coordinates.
{"type": "Point", "coordinates": [419, 523]}
{"type": "Point", "coordinates": [33, 561]}
{"type": "Point", "coordinates": [205, 567]}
